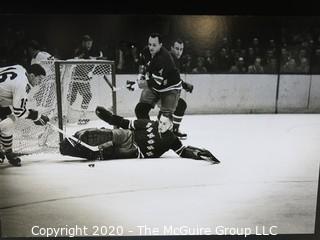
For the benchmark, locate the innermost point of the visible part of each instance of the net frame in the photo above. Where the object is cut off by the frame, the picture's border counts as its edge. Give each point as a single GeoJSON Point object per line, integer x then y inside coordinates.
{"type": "Point", "coordinates": [58, 64]}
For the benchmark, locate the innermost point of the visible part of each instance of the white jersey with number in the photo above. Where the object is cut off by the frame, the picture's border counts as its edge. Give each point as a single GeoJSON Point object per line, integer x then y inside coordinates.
{"type": "Point", "coordinates": [14, 89]}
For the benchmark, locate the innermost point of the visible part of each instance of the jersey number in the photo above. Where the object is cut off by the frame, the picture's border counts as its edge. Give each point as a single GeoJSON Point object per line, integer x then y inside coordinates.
{"type": "Point", "coordinates": [4, 74]}
{"type": "Point", "coordinates": [23, 103]}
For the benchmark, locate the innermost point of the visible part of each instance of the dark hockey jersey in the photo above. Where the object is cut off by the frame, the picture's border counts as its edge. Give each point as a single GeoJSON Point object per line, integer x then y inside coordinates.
{"type": "Point", "coordinates": [163, 73]}
{"type": "Point", "coordinates": [152, 144]}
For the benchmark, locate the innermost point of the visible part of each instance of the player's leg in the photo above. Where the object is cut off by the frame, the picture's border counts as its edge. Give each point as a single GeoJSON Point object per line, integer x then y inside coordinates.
{"type": "Point", "coordinates": [177, 118]}
{"type": "Point", "coordinates": [6, 136]}
{"type": "Point", "coordinates": [85, 92]}
{"type": "Point", "coordinates": [74, 92]}
{"type": "Point", "coordinates": [147, 101]}
{"type": "Point", "coordinates": [124, 144]}
{"type": "Point", "coordinates": [169, 101]}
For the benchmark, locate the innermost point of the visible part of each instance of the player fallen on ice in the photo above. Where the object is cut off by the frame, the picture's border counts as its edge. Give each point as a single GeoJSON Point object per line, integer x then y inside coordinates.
{"type": "Point", "coordinates": [141, 138]}
{"type": "Point", "coordinates": [15, 85]}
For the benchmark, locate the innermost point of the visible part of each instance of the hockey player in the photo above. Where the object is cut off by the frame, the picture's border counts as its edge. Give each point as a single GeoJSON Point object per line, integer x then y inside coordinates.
{"type": "Point", "coordinates": [140, 138]}
{"type": "Point", "coordinates": [45, 60]}
{"type": "Point", "coordinates": [83, 74]}
{"type": "Point", "coordinates": [176, 51]}
{"type": "Point", "coordinates": [15, 84]}
{"type": "Point", "coordinates": [159, 78]}
{"type": "Point", "coordinates": [37, 56]}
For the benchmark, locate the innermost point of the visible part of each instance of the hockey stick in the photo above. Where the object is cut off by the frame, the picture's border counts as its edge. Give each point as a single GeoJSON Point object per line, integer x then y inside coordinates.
{"type": "Point", "coordinates": [115, 89]}
{"type": "Point", "coordinates": [92, 148]}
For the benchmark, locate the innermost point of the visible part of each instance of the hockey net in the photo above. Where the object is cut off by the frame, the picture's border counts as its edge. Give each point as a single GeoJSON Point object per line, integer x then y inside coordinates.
{"type": "Point", "coordinates": [68, 95]}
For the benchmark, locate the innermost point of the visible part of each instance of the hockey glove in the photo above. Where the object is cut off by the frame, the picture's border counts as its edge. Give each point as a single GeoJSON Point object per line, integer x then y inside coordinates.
{"type": "Point", "coordinates": [187, 86]}
{"type": "Point", "coordinates": [199, 154]}
{"type": "Point", "coordinates": [43, 120]}
{"type": "Point", "coordinates": [130, 85]}
{"type": "Point", "coordinates": [142, 81]}
{"type": "Point", "coordinates": [207, 155]}
{"type": "Point", "coordinates": [38, 120]}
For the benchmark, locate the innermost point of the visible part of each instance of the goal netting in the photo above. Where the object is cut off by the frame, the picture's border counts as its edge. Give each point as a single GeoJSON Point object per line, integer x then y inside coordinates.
{"type": "Point", "coordinates": [68, 95]}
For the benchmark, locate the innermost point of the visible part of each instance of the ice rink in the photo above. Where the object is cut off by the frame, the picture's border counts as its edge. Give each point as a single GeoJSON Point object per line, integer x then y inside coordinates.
{"type": "Point", "coordinates": [268, 178]}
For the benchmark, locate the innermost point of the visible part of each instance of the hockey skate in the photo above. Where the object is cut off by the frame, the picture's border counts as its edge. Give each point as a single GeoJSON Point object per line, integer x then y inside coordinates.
{"type": "Point", "coordinates": [83, 119]}
{"type": "Point", "coordinates": [13, 158]}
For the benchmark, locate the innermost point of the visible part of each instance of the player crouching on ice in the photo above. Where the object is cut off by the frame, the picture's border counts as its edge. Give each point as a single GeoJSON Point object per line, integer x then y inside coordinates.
{"type": "Point", "coordinates": [15, 85]}
{"type": "Point", "coordinates": [141, 138]}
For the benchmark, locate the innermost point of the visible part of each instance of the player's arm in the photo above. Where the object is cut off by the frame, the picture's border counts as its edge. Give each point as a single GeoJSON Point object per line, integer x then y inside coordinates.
{"type": "Point", "coordinates": [187, 86]}
{"type": "Point", "coordinates": [121, 122]}
{"type": "Point", "coordinates": [19, 106]}
{"type": "Point", "coordinates": [193, 152]}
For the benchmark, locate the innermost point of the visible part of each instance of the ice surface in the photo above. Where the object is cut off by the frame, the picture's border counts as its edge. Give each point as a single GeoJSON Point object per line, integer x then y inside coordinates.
{"type": "Point", "coordinates": [268, 176]}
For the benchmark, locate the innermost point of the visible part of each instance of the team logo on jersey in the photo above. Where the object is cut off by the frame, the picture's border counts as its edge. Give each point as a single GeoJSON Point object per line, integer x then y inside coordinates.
{"type": "Point", "coordinates": [149, 154]}
{"type": "Point", "coordinates": [150, 147]}
{"type": "Point", "coordinates": [151, 135]}
{"type": "Point", "coordinates": [28, 88]}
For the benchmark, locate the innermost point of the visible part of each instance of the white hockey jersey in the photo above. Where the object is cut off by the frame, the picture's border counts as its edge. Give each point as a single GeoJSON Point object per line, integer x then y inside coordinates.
{"type": "Point", "coordinates": [14, 89]}
{"type": "Point", "coordinates": [41, 56]}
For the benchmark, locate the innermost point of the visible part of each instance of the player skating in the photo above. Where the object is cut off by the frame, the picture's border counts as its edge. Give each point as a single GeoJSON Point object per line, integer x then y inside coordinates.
{"type": "Point", "coordinates": [176, 52]}
{"type": "Point", "coordinates": [159, 78]}
{"type": "Point", "coordinates": [139, 138]}
{"type": "Point", "coordinates": [15, 85]}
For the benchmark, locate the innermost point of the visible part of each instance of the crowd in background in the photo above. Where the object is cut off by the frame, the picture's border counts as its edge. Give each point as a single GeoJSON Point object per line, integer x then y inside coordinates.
{"type": "Point", "coordinates": [297, 53]}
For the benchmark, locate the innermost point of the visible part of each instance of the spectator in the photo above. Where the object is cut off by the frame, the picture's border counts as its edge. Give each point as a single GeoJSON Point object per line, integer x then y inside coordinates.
{"type": "Point", "coordinates": [200, 68]}
{"type": "Point", "coordinates": [87, 50]}
{"type": "Point", "coordinates": [209, 61]}
{"type": "Point", "coordinates": [186, 63]}
{"type": "Point", "coordinates": [290, 66]}
{"type": "Point", "coordinates": [127, 57]}
{"type": "Point", "coordinates": [256, 67]}
{"type": "Point", "coordinates": [304, 66]}
{"type": "Point", "coordinates": [271, 66]}
{"type": "Point", "coordinates": [251, 57]}
{"type": "Point", "coordinates": [315, 68]}
{"type": "Point", "coordinates": [223, 61]}
{"type": "Point", "coordinates": [239, 66]}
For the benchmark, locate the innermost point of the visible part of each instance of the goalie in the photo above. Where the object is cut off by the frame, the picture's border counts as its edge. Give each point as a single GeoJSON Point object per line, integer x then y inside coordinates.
{"type": "Point", "coordinates": [140, 138]}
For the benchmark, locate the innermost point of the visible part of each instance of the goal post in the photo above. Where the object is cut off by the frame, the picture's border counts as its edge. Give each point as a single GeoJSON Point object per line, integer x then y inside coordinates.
{"type": "Point", "coordinates": [83, 77]}
{"type": "Point", "coordinates": [68, 95]}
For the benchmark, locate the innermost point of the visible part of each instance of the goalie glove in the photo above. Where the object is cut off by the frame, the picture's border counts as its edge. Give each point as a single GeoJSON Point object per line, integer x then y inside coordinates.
{"type": "Point", "coordinates": [187, 86]}
{"type": "Point", "coordinates": [199, 154]}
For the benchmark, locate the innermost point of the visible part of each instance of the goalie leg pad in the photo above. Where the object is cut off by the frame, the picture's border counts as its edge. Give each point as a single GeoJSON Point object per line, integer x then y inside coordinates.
{"type": "Point", "coordinates": [94, 136]}
{"type": "Point", "coordinates": [76, 150]}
